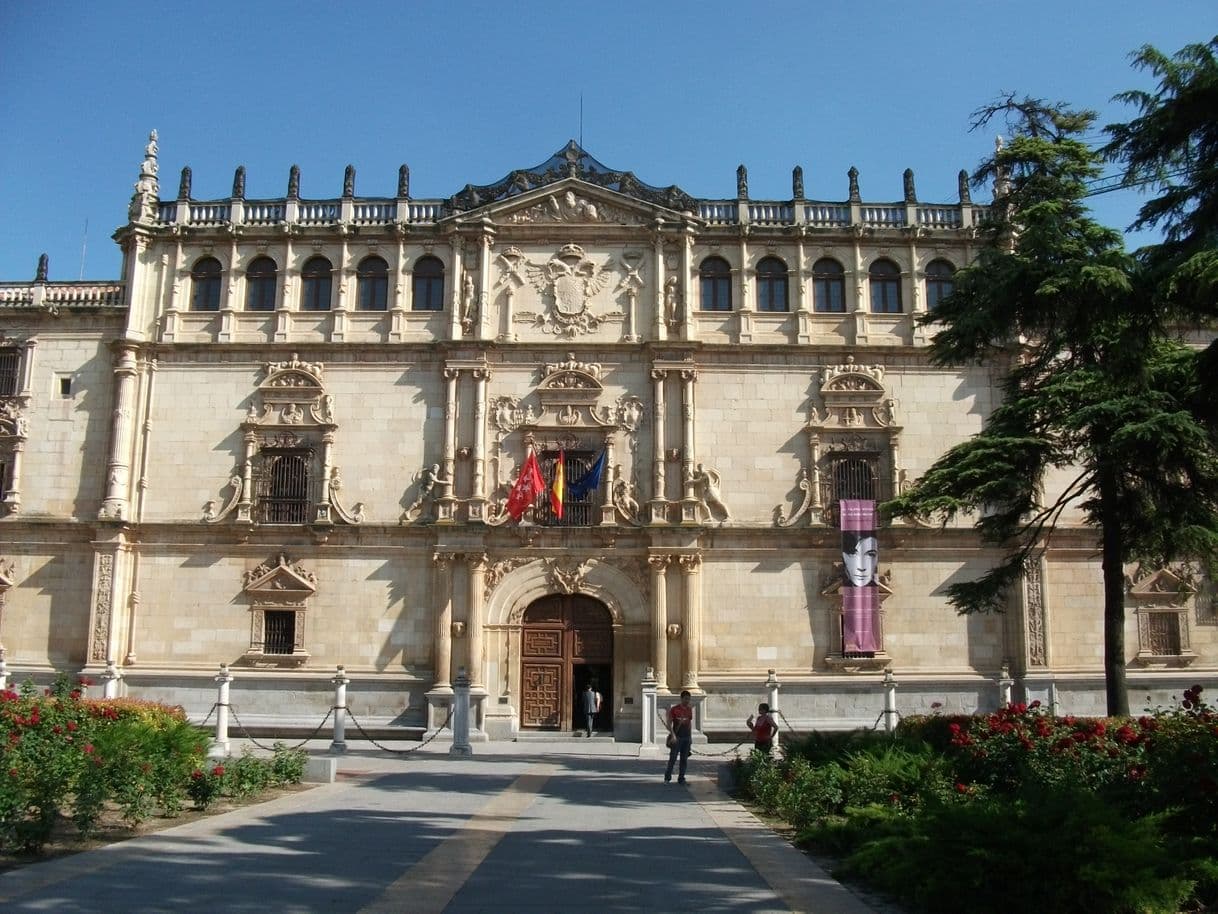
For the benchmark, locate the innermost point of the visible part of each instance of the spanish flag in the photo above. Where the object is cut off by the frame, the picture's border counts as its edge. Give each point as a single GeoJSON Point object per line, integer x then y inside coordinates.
{"type": "Point", "coordinates": [559, 485]}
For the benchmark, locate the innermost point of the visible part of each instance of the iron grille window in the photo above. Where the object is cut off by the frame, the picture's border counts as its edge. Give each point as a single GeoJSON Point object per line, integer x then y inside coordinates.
{"type": "Point", "coordinates": [373, 282]}
{"type": "Point", "coordinates": [427, 285]}
{"type": "Point", "coordinates": [577, 512]}
{"type": "Point", "coordinates": [828, 287]}
{"type": "Point", "coordinates": [280, 637]}
{"type": "Point", "coordinates": [716, 284]}
{"type": "Point", "coordinates": [772, 285]}
{"type": "Point", "coordinates": [260, 285]}
{"type": "Point", "coordinates": [854, 477]}
{"type": "Point", "coordinates": [1164, 631]}
{"type": "Point", "coordinates": [10, 368]}
{"type": "Point", "coordinates": [283, 494]}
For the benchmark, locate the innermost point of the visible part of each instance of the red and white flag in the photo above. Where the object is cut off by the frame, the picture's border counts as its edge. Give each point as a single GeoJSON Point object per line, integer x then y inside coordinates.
{"type": "Point", "coordinates": [529, 485]}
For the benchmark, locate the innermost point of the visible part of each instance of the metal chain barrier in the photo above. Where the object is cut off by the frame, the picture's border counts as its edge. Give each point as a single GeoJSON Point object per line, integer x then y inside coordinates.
{"type": "Point", "coordinates": [267, 748]}
{"type": "Point", "coordinates": [693, 751]}
{"type": "Point", "coordinates": [210, 712]}
{"type": "Point", "coordinates": [385, 748]}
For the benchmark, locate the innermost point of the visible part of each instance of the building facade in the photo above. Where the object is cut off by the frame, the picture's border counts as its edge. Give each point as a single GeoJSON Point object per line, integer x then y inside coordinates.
{"type": "Point", "coordinates": [285, 438]}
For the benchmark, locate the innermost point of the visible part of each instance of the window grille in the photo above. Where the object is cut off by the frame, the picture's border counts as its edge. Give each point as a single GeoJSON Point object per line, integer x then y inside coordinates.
{"type": "Point", "coordinates": [10, 371]}
{"type": "Point", "coordinates": [1163, 629]}
{"type": "Point", "coordinates": [855, 477]}
{"type": "Point", "coordinates": [577, 512]}
{"type": "Point", "coordinates": [283, 494]}
{"type": "Point", "coordinates": [280, 633]}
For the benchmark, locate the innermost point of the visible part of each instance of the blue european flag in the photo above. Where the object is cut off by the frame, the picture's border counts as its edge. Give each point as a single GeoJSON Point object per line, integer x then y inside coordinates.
{"type": "Point", "coordinates": [590, 481]}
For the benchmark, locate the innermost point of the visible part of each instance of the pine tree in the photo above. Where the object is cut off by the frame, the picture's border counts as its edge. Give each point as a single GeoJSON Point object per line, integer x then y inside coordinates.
{"type": "Point", "coordinates": [1095, 386]}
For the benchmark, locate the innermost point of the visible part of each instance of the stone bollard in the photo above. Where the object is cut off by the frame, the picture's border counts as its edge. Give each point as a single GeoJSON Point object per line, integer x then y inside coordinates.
{"type": "Point", "coordinates": [1054, 710]}
{"type": "Point", "coordinates": [1004, 686]}
{"type": "Point", "coordinates": [650, 712]}
{"type": "Point", "coordinates": [3, 670]}
{"type": "Point", "coordinates": [890, 702]}
{"type": "Point", "coordinates": [771, 685]}
{"type": "Point", "coordinates": [461, 746]}
{"type": "Point", "coordinates": [338, 744]}
{"type": "Point", "coordinates": [220, 747]}
{"type": "Point", "coordinates": [111, 679]}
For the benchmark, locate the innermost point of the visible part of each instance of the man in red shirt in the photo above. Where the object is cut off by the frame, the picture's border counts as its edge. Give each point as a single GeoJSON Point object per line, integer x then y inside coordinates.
{"type": "Point", "coordinates": [680, 724]}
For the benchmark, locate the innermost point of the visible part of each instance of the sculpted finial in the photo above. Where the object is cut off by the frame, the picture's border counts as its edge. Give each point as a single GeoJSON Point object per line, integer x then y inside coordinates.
{"type": "Point", "coordinates": [184, 184]}
{"type": "Point", "coordinates": [43, 264]}
{"type": "Point", "coordinates": [962, 180]}
{"type": "Point", "coordinates": [853, 174]}
{"type": "Point", "coordinates": [239, 182]}
{"type": "Point", "coordinates": [797, 182]}
{"type": "Point", "coordinates": [911, 195]}
{"type": "Point", "coordinates": [349, 181]}
{"type": "Point", "coordinates": [404, 181]}
{"type": "Point", "coordinates": [742, 183]}
{"type": "Point", "coordinates": [294, 183]}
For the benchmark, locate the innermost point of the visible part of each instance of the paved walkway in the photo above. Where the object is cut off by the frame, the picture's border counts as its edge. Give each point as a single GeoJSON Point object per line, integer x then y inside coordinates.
{"type": "Point", "coordinates": [583, 826]}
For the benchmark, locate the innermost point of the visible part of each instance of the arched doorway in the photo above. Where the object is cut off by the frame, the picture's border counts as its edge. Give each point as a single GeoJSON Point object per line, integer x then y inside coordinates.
{"type": "Point", "coordinates": [566, 641]}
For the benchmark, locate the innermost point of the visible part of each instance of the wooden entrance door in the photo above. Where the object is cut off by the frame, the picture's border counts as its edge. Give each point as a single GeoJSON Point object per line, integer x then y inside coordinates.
{"type": "Point", "coordinates": [562, 636]}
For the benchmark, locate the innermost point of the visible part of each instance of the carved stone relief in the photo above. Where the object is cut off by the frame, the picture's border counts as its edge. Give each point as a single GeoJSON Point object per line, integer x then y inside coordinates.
{"type": "Point", "coordinates": [570, 280]}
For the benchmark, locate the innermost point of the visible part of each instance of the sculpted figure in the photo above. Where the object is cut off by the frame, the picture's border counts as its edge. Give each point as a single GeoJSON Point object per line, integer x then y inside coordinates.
{"type": "Point", "coordinates": [706, 482]}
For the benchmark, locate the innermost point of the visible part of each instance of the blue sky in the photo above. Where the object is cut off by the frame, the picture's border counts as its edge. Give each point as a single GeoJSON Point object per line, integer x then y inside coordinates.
{"type": "Point", "coordinates": [678, 92]}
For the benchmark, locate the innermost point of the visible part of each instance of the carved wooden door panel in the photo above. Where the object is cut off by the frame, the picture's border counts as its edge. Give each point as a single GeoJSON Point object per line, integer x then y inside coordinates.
{"type": "Point", "coordinates": [558, 633]}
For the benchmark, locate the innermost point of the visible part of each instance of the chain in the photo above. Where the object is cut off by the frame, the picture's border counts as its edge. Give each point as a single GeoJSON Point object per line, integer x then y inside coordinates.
{"type": "Point", "coordinates": [203, 723]}
{"type": "Point", "coordinates": [385, 748]}
{"type": "Point", "coordinates": [279, 745]}
{"type": "Point", "coordinates": [876, 725]}
{"type": "Point", "coordinates": [693, 751]}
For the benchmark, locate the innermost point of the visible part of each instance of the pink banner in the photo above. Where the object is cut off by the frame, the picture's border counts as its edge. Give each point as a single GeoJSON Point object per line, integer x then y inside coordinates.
{"type": "Point", "coordinates": [860, 564]}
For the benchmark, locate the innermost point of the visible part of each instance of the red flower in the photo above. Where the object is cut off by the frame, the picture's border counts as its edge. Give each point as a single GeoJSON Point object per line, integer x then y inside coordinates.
{"type": "Point", "coordinates": [1099, 728]}
{"type": "Point", "coordinates": [1125, 734]}
{"type": "Point", "coordinates": [196, 774]}
{"type": "Point", "coordinates": [88, 748]}
{"type": "Point", "coordinates": [1035, 704]}
{"type": "Point", "coordinates": [218, 771]}
{"type": "Point", "coordinates": [84, 681]}
{"type": "Point", "coordinates": [961, 788]}
{"type": "Point", "coordinates": [14, 773]}
{"type": "Point", "coordinates": [72, 726]}
{"type": "Point", "coordinates": [74, 694]}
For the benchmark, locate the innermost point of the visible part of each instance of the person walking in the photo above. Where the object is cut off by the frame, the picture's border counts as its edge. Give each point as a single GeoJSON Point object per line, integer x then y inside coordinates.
{"type": "Point", "coordinates": [763, 728]}
{"type": "Point", "coordinates": [590, 706]}
{"type": "Point", "coordinates": [680, 722]}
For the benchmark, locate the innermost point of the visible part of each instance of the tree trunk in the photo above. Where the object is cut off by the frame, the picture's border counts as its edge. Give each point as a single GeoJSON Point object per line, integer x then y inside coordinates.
{"type": "Point", "coordinates": [1114, 596]}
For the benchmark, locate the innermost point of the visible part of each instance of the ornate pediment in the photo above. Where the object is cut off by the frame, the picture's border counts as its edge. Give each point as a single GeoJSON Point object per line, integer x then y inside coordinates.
{"type": "Point", "coordinates": [1163, 586]}
{"type": "Point", "coordinates": [280, 580]}
{"type": "Point", "coordinates": [855, 398]}
{"type": "Point", "coordinates": [293, 393]}
{"type": "Point", "coordinates": [570, 167]}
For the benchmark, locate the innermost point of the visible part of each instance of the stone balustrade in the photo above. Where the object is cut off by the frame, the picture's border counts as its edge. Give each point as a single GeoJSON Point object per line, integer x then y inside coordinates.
{"type": "Point", "coordinates": [78, 295]}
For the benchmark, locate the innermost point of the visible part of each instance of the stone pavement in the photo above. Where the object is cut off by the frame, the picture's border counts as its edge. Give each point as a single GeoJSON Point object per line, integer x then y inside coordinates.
{"type": "Point", "coordinates": [529, 826]}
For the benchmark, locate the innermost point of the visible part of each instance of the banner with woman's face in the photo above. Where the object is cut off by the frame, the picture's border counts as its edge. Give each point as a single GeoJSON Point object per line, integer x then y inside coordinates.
{"type": "Point", "coordinates": [860, 564]}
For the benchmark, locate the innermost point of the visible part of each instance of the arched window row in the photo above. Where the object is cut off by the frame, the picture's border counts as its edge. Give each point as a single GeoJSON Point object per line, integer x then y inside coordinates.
{"type": "Point", "coordinates": [317, 284]}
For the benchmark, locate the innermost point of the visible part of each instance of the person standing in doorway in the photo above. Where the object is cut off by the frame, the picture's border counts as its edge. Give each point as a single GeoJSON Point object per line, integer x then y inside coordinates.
{"type": "Point", "coordinates": [590, 705]}
{"type": "Point", "coordinates": [680, 723]}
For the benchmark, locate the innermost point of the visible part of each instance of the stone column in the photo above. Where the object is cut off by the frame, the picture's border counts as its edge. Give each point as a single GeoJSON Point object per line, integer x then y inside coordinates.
{"type": "Point", "coordinates": [484, 282]}
{"type": "Point", "coordinates": [122, 433]}
{"type": "Point", "coordinates": [445, 501]}
{"type": "Point", "coordinates": [478, 500]}
{"type": "Point", "coordinates": [745, 311]}
{"type": "Point", "coordinates": [245, 505]}
{"type": "Point", "coordinates": [342, 304]}
{"type": "Point", "coordinates": [689, 498]}
{"type": "Point", "coordinates": [228, 304]}
{"type": "Point", "coordinates": [327, 467]}
{"type": "Point", "coordinates": [454, 294]}
{"type": "Point", "coordinates": [691, 594]}
{"type": "Point", "coordinates": [658, 499]}
{"type": "Point", "coordinates": [283, 314]}
{"type": "Point", "coordinates": [803, 305]}
{"type": "Point", "coordinates": [476, 562]}
{"type": "Point", "coordinates": [444, 620]}
{"type": "Point", "coordinates": [608, 512]}
{"type": "Point", "coordinates": [689, 328]}
{"type": "Point", "coordinates": [660, 327]}
{"type": "Point", "coordinates": [659, 618]}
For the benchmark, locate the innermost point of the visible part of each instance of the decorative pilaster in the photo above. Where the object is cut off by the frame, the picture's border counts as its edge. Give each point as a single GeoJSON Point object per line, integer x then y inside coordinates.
{"type": "Point", "coordinates": [691, 609]}
{"type": "Point", "coordinates": [122, 434]}
{"type": "Point", "coordinates": [659, 325]}
{"type": "Point", "coordinates": [454, 293]}
{"type": "Point", "coordinates": [659, 618]}
{"type": "Point", "coordinates": [446, 502]}
{"type": "Point", "coordinates": [689, 497]}
{"type": "Point", "coordinates": [444, 620]}
{"type": "Point", "coordinates": [477, 504]}
{"type": "Point", "coordinates": [476, 562]}
{"type": "Point", "coordinates": [659, 503]}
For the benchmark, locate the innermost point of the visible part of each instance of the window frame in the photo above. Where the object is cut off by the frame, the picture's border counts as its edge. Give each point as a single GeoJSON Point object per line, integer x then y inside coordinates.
{"type": "Point", "coordinates": [940, 283]}
{"type": "Point", "coordinates": [372, 284]}
{"type": "Point", "coordinates": [717, 280]}
{"type": "Point", "coordinates": [884, 277]}
{"type": "Point", "coordinates": [259, 282]}
{"type": "Point", "coordinates": [773, 286]}
{"type": "Point", "coordinates": [824, 282]}
{"type": "Point", "coordinates": [316, 285]}
{"type": "Point", "coordinates": [427, 284]}
{"type": "Point", "coordinates": [206, 284]}
{"type": "Point", "coordinates": [277, 508]}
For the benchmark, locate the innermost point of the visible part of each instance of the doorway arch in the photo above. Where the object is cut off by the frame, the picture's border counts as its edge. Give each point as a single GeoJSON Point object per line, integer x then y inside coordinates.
{"type": "Point", "coordinates": [566, 641]}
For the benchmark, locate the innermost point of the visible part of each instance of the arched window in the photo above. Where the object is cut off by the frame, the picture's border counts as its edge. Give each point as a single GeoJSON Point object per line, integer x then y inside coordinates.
{"type": "Point", "coordinates": [885, 287]}
{"type": "Point", "coordinates": [260, 281]}
{"type": "Point", "coordinates": [939, 282]}
{"type": "Point", "coordinates": [828, 287]}
{"type": "Point", "coordinates": [427, 288]}
{"type": "Point", "coordinates": [317, 278]}
{"type": "Point", "coordinates": [372, 276]}
{"type": "Point", "coordinates": [772, 285]}
{"type": "Point", "coordinates": [205, 285]}
{"type": "Point", "coordinates": [716, 277]}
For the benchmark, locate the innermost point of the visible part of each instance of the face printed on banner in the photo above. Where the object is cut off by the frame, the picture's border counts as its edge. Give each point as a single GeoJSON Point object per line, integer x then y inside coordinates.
{"type": "Point", "coordinates": [860, 557]}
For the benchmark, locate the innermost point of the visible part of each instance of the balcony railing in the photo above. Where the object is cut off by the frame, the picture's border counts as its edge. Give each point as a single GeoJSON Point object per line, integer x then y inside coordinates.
{"type": "Point", "coordinates": [61, 295]}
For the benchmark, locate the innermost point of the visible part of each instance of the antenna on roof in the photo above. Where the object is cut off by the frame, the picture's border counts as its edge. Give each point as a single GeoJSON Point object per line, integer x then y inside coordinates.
{"type": "Point", "coordinates": [84, 246]}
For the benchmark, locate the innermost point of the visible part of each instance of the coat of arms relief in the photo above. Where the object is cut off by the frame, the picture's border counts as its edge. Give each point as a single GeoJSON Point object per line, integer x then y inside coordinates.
{"type": "Point", "coordinates": [568, 281]}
